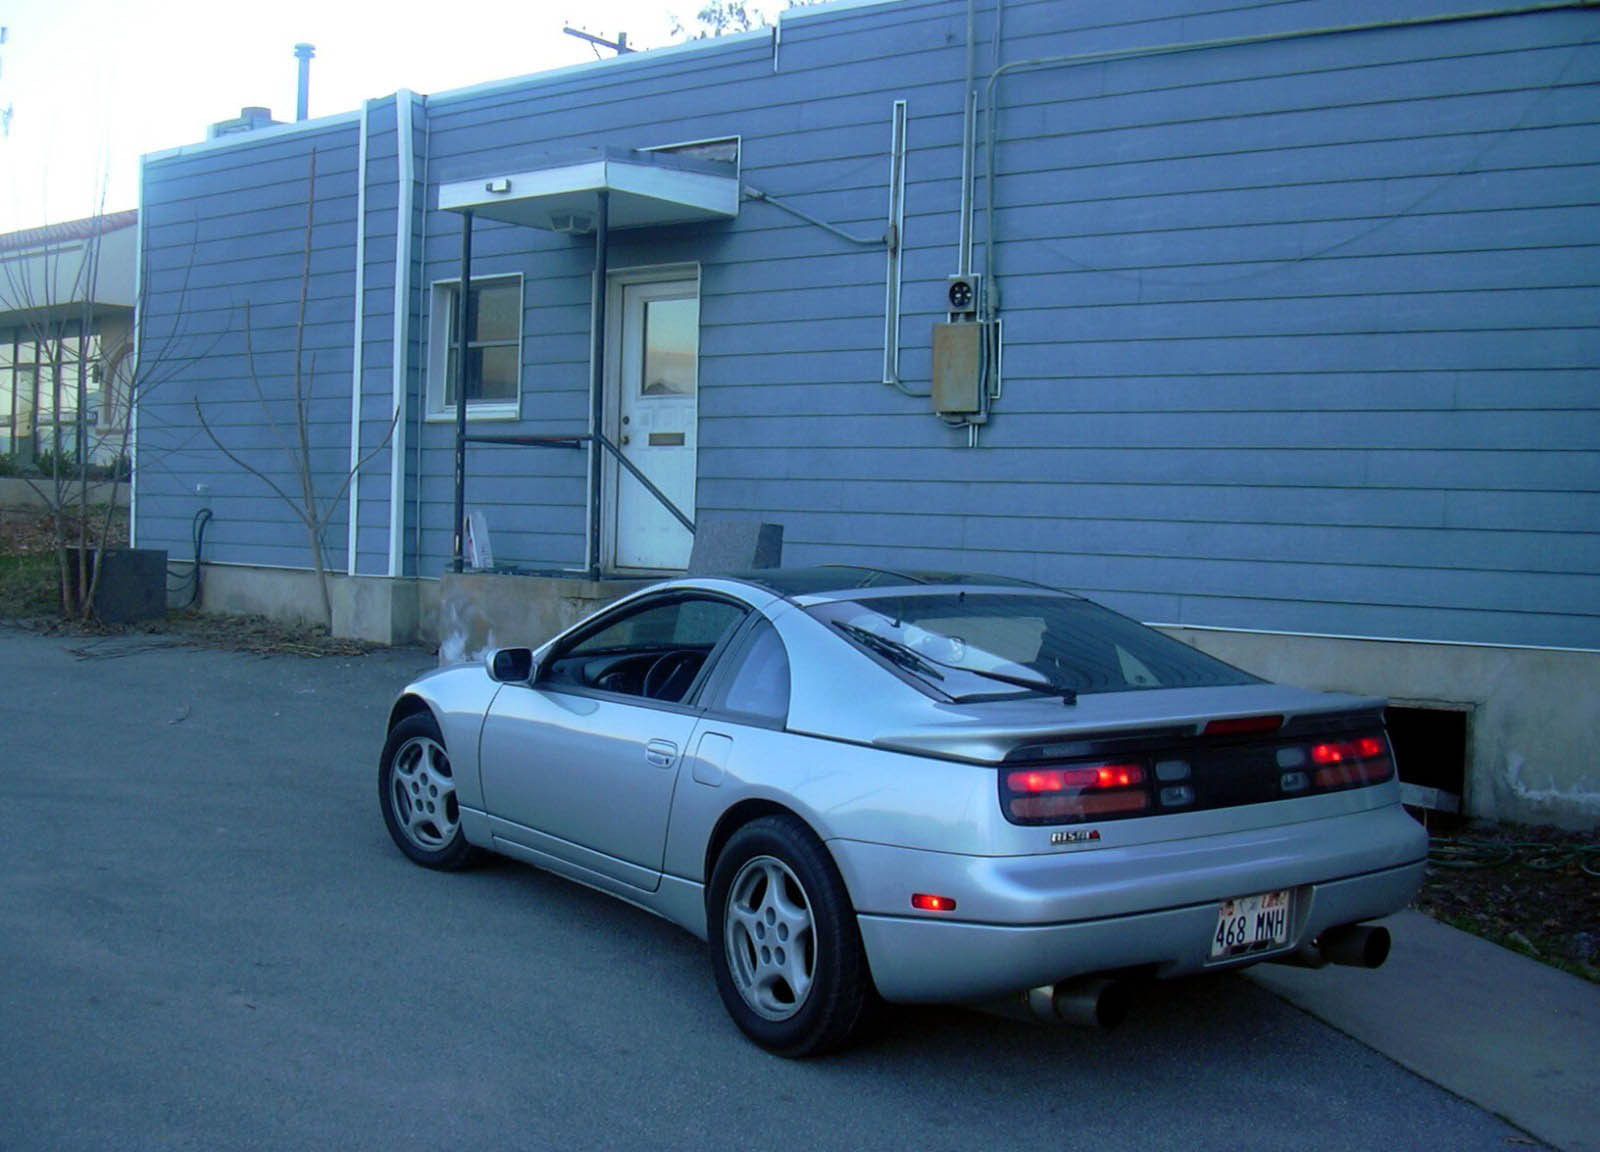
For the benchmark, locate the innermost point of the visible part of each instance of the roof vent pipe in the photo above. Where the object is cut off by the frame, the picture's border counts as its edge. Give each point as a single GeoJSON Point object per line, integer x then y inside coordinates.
{"type": "Point", "coordinates": [303, 53]}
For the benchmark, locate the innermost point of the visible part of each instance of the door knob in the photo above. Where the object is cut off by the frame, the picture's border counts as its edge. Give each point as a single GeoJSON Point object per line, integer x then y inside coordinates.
{"type": "Point", "coordinates": [624, 437]}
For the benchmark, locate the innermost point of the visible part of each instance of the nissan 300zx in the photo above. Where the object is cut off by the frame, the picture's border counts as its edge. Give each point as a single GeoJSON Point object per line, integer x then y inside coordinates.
{"type": "Point", "coordinates": [863, 786]}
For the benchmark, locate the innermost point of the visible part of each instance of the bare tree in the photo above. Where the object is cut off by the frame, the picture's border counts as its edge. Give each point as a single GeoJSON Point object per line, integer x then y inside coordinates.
{"type": "Point", "coordinates": [313, 512]}
{"type": "Point", "coordinates": [54, 286]}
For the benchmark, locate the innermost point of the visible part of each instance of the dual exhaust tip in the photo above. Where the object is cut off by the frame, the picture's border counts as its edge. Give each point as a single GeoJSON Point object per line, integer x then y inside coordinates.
{"type": "Point", "coordinates": [1103, 1001]}
{"type": "Point", "coordinates": [1353, 945]}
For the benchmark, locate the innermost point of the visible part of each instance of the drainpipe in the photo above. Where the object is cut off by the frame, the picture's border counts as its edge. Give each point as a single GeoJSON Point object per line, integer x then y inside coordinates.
{"type": "Point", "coordinates": [597, 374]}
{"type": "Point", "coordinates": [463, 328]}
{"type": "Point", "coordinates": [303, 53]}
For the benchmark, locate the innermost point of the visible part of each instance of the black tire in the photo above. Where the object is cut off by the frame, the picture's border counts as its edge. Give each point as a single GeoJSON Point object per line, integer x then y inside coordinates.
{"type": "Point", "coordinates": [840, 1000]}
{"type": "Point", "coordinates": [426, 827]}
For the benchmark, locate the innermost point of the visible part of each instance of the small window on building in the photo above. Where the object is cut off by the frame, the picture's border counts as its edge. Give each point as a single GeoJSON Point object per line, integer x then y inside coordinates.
{"type": "Point", "coordinates": [494, 349]}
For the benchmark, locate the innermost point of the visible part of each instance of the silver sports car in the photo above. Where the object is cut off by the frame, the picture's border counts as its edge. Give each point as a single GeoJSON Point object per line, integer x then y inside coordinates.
{"type": "Point", "coordinates": [861, 785]}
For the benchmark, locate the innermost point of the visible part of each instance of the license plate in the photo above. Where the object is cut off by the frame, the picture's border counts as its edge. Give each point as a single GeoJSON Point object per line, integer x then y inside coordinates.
{"type": "Point", "coordinates": [1251, 924]}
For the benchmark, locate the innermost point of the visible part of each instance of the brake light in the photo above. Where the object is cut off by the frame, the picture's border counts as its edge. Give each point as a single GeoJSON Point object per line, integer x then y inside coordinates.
{"type": "Point", "coordinates": [1069, 779]}
{"type": "Point", "coordinates": [1243, 725]}
{"type": "Point", "coordinates": [924, 902]}
{"type": "Point", "coordinates": [1079, 792]}
{"type": "Point", "coordinates": [1351, 763]}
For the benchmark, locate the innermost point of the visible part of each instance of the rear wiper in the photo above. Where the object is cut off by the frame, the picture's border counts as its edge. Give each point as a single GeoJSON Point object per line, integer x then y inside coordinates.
{"type": "Point", "coordinates": [910, 659]}
{"type": "Point", "coordinates": [891, 650]}
{"type": "Point", "coordinates": [1043, 687]}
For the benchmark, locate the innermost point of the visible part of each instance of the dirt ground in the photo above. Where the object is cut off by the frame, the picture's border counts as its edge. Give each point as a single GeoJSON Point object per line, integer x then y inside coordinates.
{"type": "Point", "coordinates": [1534, 890]}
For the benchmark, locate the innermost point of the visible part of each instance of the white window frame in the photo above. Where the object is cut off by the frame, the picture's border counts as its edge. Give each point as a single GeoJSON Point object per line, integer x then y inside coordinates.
{"type": "Point", "coordinates": [440, 306]}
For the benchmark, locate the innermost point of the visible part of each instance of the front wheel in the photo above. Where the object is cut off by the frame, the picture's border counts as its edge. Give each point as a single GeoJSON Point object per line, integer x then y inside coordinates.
{"type": "Point", "coordinates": [417, 791]}
{"type": "Point", "coordinates": [784, 942]}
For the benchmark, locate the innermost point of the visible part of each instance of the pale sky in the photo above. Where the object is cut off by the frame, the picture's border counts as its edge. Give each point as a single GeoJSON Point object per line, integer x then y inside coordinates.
{"type": "Point", "coordinates": [93, 84]}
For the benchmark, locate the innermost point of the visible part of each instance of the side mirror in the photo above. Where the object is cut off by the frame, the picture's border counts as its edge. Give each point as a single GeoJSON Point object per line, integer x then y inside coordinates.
{"type": "Point", "coordinates": [510, 665]}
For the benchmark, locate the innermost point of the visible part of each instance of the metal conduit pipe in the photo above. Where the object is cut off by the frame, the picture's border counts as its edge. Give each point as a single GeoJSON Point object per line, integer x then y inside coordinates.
{"type": "Point", "coordinates": [969, 128]}
{"type": "Point", "coordinates": [463, 329]}
{"type": "Point", "coordinates": [990, 302]}
{"type": "Point", "coordinates": [597, 376]}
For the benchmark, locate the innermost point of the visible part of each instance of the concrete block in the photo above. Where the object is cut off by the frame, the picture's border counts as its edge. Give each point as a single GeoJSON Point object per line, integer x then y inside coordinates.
{"type": "Point", "coordinates": [375, 608]}
{"type": "Point", "coordinates": [731, 544]}
{"type": "Point", "coordinates": [483, 610]}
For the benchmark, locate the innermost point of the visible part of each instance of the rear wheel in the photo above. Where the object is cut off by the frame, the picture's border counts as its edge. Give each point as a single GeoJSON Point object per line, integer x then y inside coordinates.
{"type": "Point", "coordinates": [784, 943]}
{"type": "Point", "coordinates": [417, 791]}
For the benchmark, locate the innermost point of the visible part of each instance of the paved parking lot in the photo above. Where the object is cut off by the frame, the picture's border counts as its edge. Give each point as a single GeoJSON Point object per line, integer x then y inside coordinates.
{"type": "Point", "coordinates": [207, 941]}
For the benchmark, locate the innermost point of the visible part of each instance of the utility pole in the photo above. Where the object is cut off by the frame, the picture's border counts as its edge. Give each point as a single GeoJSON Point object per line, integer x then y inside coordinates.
{"type": "Point", "coordinates": [619, 45]}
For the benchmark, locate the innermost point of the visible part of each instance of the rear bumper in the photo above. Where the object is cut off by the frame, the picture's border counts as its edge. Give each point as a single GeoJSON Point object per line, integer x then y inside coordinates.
{"type": "Point", "coordinates": [1036, 920]}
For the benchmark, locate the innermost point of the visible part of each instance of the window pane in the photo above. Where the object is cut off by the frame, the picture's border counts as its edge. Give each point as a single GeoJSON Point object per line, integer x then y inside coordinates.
{"type": "Point", "coordinates": [952, 640]}
{"type": "Point", "coordinates": [499, 317]}
{"type": "Point", "coordinates": [671, 345]}
{"type": "Point", "coordinates": [492, 376]}
{"type": "Point", "coordinates": [681, 624]}
{"type": "Point", "coordinates": [760, 685]}
{"type": "Point", "coordinates": [25, 400]}
{"type": "Point", "coordinates": [495, 373]}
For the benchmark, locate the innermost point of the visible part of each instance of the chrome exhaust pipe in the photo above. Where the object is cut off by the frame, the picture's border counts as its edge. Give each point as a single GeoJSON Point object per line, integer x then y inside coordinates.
{"type": "Point", "coordinates": [1305, 956]}
{"type": "Point", "coordinates": [1088, 1002]}
{"type": "Point", "coordinates": [1355, 945]}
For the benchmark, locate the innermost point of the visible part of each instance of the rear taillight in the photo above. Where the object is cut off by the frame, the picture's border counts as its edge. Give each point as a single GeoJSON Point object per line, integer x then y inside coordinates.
{"type": "Point", "coordinates": [1350, 763]}
{"type": "Point", "coordinates": [1078, 792]}
{"type": "Point", "coordinates": [1222, 768]}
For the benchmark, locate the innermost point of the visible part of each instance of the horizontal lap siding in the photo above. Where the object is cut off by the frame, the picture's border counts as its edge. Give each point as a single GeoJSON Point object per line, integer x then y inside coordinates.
{"type": "Point", "coordinates": [1299, 336]}
{"type": "Point", "coordinates": [223, 256]}
{"type": "Point", "coordinates": [1350, 312]}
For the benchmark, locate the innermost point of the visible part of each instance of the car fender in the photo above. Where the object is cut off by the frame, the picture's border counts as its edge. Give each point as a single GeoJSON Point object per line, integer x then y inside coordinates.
{"type": "Point", "coordinates": [459, 697]}
{"type": "Point", "coordinates": [840, 790]}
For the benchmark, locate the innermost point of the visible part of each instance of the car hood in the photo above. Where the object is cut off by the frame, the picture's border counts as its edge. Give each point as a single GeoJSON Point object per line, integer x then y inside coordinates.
{"type": "Point", "coordinates": [987, 731]}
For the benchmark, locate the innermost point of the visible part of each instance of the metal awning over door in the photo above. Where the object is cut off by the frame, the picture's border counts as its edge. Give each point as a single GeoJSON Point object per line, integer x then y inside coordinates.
{"type": "Point", "coordinates": [591, 193]}
{"type": "Point", "coordinates": [644, 190]}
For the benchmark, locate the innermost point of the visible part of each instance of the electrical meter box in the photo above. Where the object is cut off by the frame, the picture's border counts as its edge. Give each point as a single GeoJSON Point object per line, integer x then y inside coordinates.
{"type": "Point", "coordinates": [958, 369]}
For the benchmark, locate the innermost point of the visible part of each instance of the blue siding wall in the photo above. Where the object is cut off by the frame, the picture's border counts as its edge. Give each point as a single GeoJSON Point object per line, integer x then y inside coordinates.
{"type": "Point", "coordinates": [1300, 336]}
{"type": "Point", "coordinates": [225, 228]}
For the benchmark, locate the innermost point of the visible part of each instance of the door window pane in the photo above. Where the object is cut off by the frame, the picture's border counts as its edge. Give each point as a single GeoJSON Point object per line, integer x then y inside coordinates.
{"type": "Point", "coordinates": [678, 624]}
{"type": "Point", "coordinates": [671, 347]}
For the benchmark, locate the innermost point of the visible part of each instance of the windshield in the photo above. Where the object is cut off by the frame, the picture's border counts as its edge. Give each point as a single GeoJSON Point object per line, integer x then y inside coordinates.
{"type": "Point", "coordinates": [982, 646]}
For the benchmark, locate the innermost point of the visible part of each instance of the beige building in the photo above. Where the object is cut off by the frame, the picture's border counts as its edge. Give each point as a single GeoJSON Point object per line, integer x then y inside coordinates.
{"type": "Point", "coordinates": [67, 293]}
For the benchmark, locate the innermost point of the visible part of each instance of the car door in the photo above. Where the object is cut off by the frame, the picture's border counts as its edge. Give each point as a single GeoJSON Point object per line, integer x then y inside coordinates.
{"type": "Point", "coordinates": [581, 764]}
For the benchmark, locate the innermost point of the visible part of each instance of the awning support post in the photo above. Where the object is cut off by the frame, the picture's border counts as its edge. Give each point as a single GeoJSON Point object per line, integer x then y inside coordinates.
{"type": "Point", "coordinates": [597, 375]}
{"type": "Point", "coordinates": [463, 333]}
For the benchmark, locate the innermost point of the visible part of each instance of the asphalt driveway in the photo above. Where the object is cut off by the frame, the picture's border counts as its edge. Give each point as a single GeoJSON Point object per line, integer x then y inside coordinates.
{"type": "Point", "coordinates": [207, 941]}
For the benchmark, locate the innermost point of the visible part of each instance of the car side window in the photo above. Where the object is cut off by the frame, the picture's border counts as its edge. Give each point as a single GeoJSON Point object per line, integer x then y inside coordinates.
{"type": "Point", "coordinates": [655, 651]}
{"type": "Point", "coordinates": [758, 683]}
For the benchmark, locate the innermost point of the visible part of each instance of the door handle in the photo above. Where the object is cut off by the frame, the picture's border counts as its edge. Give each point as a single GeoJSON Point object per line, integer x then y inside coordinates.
{"type": "Point", "coordinates": [661, 753]}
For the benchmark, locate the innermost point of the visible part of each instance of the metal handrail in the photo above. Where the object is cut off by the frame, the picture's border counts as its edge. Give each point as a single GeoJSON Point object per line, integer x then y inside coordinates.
{"type": "Point", "coordinates": [578, 441]}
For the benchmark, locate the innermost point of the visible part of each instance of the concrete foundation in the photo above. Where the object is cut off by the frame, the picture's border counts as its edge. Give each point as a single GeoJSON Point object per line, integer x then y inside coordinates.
{"type": "Point", "coordinates": [1533, 715]}
{"type": "Point", "coordinates": [483, 610]}
{"type": "Point", "coordinates": [372, 608]}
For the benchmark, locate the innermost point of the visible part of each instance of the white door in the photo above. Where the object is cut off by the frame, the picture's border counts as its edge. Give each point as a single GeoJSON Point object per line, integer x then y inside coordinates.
{"type": "Point", "coordinates": [655, 383]}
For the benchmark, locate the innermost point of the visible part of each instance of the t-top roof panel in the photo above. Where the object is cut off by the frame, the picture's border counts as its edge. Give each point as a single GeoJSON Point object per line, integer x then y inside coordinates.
{"type": "Point", "coordinates": [647, 190]}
